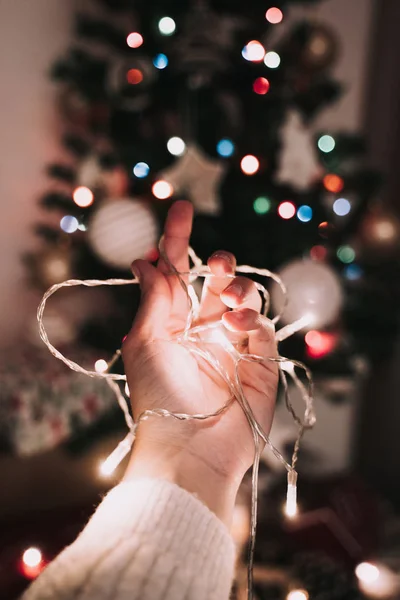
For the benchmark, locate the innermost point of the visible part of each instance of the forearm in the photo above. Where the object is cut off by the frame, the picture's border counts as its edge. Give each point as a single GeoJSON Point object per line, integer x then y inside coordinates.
{"type": "Point", "coordinates": [148, 539]}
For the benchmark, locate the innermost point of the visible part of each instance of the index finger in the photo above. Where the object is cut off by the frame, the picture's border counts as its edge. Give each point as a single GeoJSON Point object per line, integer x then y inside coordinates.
{"type": "Point", "coordinates": [177, 230]}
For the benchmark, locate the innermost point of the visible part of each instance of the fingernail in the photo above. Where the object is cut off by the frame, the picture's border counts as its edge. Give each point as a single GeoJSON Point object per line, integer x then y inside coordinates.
{"type": "Point", "coordinates": [235, 289]}
{"type": "Point", "coordinates": [224, 255]}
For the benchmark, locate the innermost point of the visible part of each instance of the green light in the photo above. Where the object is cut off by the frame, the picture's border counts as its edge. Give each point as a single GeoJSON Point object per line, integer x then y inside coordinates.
{"type": "Point", "coordinates": [346, 254]}
{"type": "Point", "coordinates": [261, 205]}
{"type": "Point", "coordinates": [326, 143]}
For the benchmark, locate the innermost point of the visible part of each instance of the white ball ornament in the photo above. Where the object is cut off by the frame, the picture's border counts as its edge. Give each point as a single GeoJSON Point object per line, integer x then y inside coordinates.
{"type": "Point", "coordinates": [314, 292]}
{"type": "Point", "coordinates": [122, 231]}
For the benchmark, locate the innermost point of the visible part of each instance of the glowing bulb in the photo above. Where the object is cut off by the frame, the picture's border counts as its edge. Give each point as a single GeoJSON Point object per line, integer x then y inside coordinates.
{"type": "Point", "coordinates": [345, 254]}
{"type": "Point", "coordinates": [305, 321]}
{"type": "Point", "coordinates": [341, 207]}
{"type": "Point", "coordinates": [100, 366]}
{"type": "Point", "coordinates": [286, 210]}
{"type": "Point", "coordinates": [83, 196]}
{"type": "Point", "coordinates": [367, 572]}
{"type": "Point", "coordinates": [261, 205]}
{"type": "Point", "coordinates": [134, 76]}
{"type": "Point", "coordinates": [160, 61]}
{"type": "Point", "coordinates": [304, 213]}
{"type": "Point", "coordinates": [261, 86]}
{"type": "Point", "coordinates": [162, 189]}
{"type": "Point", "coordinates": [333, 183]}
{"type": "Point", "coordinates": [353, 272]}
{"type": "Point", "coordinates": [134, 40]}
{"type": "Point", "coordinates": [127, 391]}
{"type": "Point", "coordinates": [272, 60]}
{"type": "Point", "coordinates": [141, 170]}
{"type": "Point", "coordinates": [249, 164]}
{"type": "Point", "coordinates": [297, 595]}
{"type": "Point", "coordinates": [167, 26]}
{"type": "Point", "coordinates": [320, 343]}
{"type": "Point", "coordinates": [176, 146]}
{"type": "Point", "coordinates": [385, 230]}
{"type": "Point", "coordinates": [254, 51]}
{"type": "Point", "coordinates": [108, 466]}
{"type": "Point", "coordinates": [274, 15]}
{"type": "Point", "coordinates": [32, 557]}
{"type": "Point", "coordinates": [69, 224]}
{"type": "Point", "coordinates": [377, 581]}
{"type": "Point", "coordinates": [225, 147]}
{"type": "Point", "coordinates": [326, 143]}
{"type": "Point", "coordinates": [318, 252]}
{"type": "Point", "coordinates": [291, 496]}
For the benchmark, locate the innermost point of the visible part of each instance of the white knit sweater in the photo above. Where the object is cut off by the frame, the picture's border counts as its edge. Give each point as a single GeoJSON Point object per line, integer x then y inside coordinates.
{"type": "Point", "coordinates": [149, 540]}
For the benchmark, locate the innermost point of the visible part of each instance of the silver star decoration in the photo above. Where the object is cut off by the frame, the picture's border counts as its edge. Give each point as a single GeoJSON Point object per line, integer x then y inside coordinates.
{"type": "Point", "coordinates": [198, 177]}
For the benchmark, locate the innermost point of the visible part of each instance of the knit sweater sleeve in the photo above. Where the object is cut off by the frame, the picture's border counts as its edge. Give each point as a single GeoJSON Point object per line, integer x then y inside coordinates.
{"type": "Point", "coordinates": [149, 540]}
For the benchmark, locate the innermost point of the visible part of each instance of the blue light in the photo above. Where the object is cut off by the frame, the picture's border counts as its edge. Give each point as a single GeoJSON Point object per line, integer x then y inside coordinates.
{"type": "Point", "coordinates": [341, 207]}
{"type": "Point", "coordinates": [141, 170]}
{"type": "Point", "coordinates": [69, 224]}
{"type": "Point", "coordinates": [160, 61]}
{"type": "Point", "coordinates": [225, 147]}
{"type": "Point", "coordinates": [326, 143]}
{"type": "Point", "coordinates": [304, 213]}
{"type": "Point", "coordinates": [353, 272]}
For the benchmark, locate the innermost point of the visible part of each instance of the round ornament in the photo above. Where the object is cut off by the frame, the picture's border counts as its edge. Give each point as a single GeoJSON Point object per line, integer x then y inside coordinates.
{"type": "Point", "coordinates": [380, 231]}
{"type": "Point", "coordinates": [314, 290]}
{"type": "Point", "coordinates": [121, 231]}
{"type": "Point", "coordinates": [321, 48]}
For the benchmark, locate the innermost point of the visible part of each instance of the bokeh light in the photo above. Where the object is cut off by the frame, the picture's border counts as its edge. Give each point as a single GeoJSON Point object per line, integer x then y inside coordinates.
{"type": "Point", "coordinates": [345, 254]}
{"type": "Point", "coordinates": [367, 572]}
{"type": "Point", "coordinates": [100, 366]}
{"type": "Point", "coordinates": [262, 205]}
{"type": "Point", "coordinates": [225, 147]}
{"type": "Point", "coordinates": [32, 557]}
{"type": "Point", "coordinates": [166, 25]}
{"type": "Point", "coordinates": [69, 224]}
{"type": "Point", "coordinates": [319, 343]}
{"type": "Point", "coordinates": [134, 76]}
{"type": "Point", "coordinates": [304, 213]}
{"type": "Point", "coordinates": [325, 229]}
{"type": "Point", "coordinates": [162, 189]}
{"type": "Point", "coordinates": [160, 61]}
{"type": "Point", "coordinates": [341, 207]}
{"type": "Point", "coordinates": [254, 51]}
{"type": "Point", "coordinates": [83, 196]}
{"type": "Point", "coordinates": [134, 40]}
{"type": "Point", "coordinates": [141, 170]}
{"type": "Point", "coordinates": [318, 252]}
{"type": "Point", "coordinates": [176, 146]}
{"type": "Point", "coordinates": [249, 164]}
{"type": "Point", "coordinates": [326, 143]}
{"type": "Point", "coordinates": [333, 183]}
{"type": "Point", "coordinates": [286, 210]}
{"type": "Point", "coordinates": [261, 86]}
{"type": "Point", "coordinates": [353, 272]}
{"type": "Point", "coordinates": [274, 15]}
{"type": "Point", "coordinates": [272, 60]}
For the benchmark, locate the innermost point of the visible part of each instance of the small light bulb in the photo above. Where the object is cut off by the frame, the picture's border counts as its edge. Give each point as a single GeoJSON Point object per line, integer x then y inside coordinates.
{"type": "Point", "coordinates": [134, 76]}
{"type": "Point", "coordinates": [69, 224]}
{"type": "Point", "coordinates": [134, 40]}
{"type": "Point", "coordinates": [249, 164]}
{"type": "Point", "coordinates": [160, 61]}
{"type": "Point", "coordinates": [162, 189]}
{"type": "Point", "coordinates": [32, 557]}
{"type": "Point", "coordinates": [83, 196]}
{"type": "Point", "coordinates": [304, 213]}
{"type": "Point", "coordinates": [141, 170]}
{"type": "Point", "coordinates": [100, 366]}
{"type": "Point", "coordinates": [286, 210]}
{"type": "Point", "coordinates": [274, 15]}
{"type": "Point", "coordinates": [261, 86]}
{"type": "Point", "coordinates": [297, 595]}
{"type": "Point", "coordinates": [341, 207]}
{"type": "Point", "coordinates": [167, 26]}
{"type": "Point", "coordinates": [326, 143]}
{"type": "Point", "coordinates": [261, 205]}
{"type": "Point", "coordinates": [225, 147]}
{"type": "Point", "coordinates": [254, 51]}
{"type": "Point", "coordinates": [367, 572]}
{"type": "Point", "coordinates": [291, 496]}
{"type": "Point", "coordinates": [176, 146]}
{"type": "Point", "coordinates": [272, 60]}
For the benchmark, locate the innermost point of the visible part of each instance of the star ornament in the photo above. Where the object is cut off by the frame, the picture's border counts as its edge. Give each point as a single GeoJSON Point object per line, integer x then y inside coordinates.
{"type": "Point", "coordinates": [196, 176]}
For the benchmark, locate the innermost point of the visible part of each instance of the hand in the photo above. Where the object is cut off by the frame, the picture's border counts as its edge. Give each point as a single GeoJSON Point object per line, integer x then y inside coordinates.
{"type": "Point", "coordinates": [208, 457]}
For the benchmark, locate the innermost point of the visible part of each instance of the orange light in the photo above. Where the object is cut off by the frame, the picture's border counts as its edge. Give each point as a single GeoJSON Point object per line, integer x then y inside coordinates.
{"type": "Point", "coordinates": [249, 164]}
{"type": "Point", "coordinates": [286, 210]}
{"type": "Point", "coordinates": [274, 15]}
{"type": "Point", "coordinates": [261, 86]}
{"type": "Point", "coordinates": [333, 183]}
{"type": "Point", "coordinates": [254, 51]}
{"type": "Point", "coordinates": [320, 343]}
{"type": "Point", "coordinates": [134, 40]}
{"type": "Point", "coordinates": [162, 189]}
{"type": "Point", "coordinates": [83, 196]}
{"type": "Point", "coordinates": [32, 563]}
{"type": "Point", "coordinates": [318, 252]}
{"type": "Point", "coordinates": [134, 76]}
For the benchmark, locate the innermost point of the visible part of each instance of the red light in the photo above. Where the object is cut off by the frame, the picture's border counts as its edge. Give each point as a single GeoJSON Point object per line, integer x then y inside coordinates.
{"type": "Point", "coordinates": [83, 196]}
{"type": "Point", "coordinates": [320, 343]}
{"type": "Point", "coordinates": [274, 15]}
{"type": "Point", "coordinates": [134, 40]}
{"type": "Point", "coordinates": [286, 210]}
{"type": "Point", "coordinates": [261, 86]}
{"type": "Point", "coordinates": [318, 252]}
{"type": "Point", "coordinates": [333, 183]}
{"type": "Point", "coordinates": [134, 76]}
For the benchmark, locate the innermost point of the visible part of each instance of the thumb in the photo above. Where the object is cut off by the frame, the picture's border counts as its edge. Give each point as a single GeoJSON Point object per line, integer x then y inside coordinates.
{"type": "Point", "coordinates": [155, 298]}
